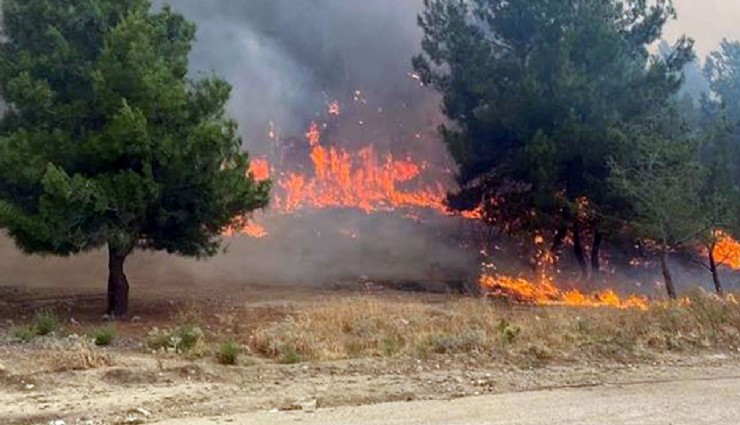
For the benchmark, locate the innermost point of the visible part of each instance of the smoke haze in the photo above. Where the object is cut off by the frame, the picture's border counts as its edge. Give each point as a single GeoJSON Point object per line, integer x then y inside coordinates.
{"type": "Point", "coordinates": [707, 21]}
{"type": "Point", "coordinates": [287, 59]}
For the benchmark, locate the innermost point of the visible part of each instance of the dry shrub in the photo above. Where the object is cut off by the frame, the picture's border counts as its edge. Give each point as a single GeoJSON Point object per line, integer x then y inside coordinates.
{"type": "Point", "coordinates": [353, 328]}
{"type": "Point", "coordinates": [75, 354]}
{"type": "Point", "coordinates": [376, 327]}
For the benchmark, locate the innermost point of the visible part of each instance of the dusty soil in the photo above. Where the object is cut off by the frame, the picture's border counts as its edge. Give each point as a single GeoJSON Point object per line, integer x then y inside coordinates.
{"type": "Point", "coordinates": [141, 388]}
{"type": "Point", "coordinates": [680, 402]}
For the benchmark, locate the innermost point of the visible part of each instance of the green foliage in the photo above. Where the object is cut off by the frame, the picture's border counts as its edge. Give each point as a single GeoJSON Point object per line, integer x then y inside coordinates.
{"type": "Point", "coordinates": [24, 333]}
{"type": "Point", "coordinates": [721, 70]}
{"type": "Point", "coordinates": [663, 185]}
{"type": "Point", "coordinates": [46, 323]}
{"type": "Point", "coordinates": [392, 344]}
{"type": "Point", "coordinates": [104, 336]}
{"type": "Point", "coordinates": [185, 339]}
{"type": "Point", "coordinates": [289, 354]}
{"type": "Point", "coordinates": [107, 140]}
{"type": "Point", "coordinates": [508, 332]}
{"type": "Point", "coordinates": [721, 137]}
{"type": "Point", "coordinates": [229, 352]}
{"type": "Point", "coordinates": [540, 94]}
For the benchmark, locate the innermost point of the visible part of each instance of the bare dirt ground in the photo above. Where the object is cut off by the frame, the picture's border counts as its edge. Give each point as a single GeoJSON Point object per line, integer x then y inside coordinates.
{"type": "Point", "coordinates": [682, 402]}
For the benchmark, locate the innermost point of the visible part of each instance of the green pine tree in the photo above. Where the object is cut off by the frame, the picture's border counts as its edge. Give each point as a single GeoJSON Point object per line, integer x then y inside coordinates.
{"type": "Point", "coordinates": [106, 141]}
{"type": "Point", "coordinates": [539, 94]}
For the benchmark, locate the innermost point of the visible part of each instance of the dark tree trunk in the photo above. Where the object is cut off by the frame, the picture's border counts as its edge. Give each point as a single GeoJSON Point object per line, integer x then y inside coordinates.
{"type": "Point", "coordinates": [579, 252]}
{"type": "Point", "coordinates": [558, 241]}
{"type": "Point", "coordinates": [596, 254]}
{"type": "Point", "coordinates": [117, 283]}
{"type": "Point", "coordinates": [667, 277]}
{"type": "Point", "coordinates": [715, 273]}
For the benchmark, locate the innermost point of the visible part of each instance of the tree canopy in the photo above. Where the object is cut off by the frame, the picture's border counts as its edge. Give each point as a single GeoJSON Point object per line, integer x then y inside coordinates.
{"type": "Point", "coordinates": [108, 141]}
{"type": "Point", "coordinates": [539, 96]}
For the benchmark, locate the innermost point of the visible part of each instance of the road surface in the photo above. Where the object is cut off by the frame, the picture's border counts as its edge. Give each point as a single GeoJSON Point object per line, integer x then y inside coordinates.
{"type": "Point", "coordinates": [687, 402]}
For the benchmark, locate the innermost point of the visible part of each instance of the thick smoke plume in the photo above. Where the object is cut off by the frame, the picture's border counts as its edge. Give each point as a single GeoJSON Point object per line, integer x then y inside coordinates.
{"type": "Point", "coordinates": [288, 59]}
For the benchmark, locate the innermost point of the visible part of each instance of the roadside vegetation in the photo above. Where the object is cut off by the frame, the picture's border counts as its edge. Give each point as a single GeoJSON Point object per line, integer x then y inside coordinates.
{"type": "Point", "coordinates": [479, 330]}
{"type": "Point", "coordinates": [498, 332]}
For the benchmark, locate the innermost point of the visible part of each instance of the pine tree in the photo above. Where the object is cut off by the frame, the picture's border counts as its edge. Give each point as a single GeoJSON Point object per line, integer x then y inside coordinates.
{"type": "Point", "coordinates": [108, 142]}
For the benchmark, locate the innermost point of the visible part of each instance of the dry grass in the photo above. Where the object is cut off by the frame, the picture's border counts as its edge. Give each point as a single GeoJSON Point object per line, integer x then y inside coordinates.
{"type": "Point", "coordinates": [73, 354]}
{"type": "Point", "coordinates": [373, 327]}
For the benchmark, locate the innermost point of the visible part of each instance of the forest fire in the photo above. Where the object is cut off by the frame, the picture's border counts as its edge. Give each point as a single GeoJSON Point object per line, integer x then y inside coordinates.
{"type": "Point", "coordinates": [727, 251]}
{"type": "Point", "coordinates": [364, 180]}
{"type": "Point", "coordinates": [260, 169]}
{"type": "Point", "coordinates": [546, 293]}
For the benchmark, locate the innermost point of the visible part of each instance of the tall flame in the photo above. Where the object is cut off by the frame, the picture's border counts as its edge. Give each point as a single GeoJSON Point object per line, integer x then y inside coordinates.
{"type": "Point", "coordinates": [363, 180]}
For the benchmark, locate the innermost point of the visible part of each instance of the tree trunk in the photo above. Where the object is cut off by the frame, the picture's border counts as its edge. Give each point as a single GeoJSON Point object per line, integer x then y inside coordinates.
{"type": "Point", "coordinates": [117, 283]}
{"type": "Point", "coordinates": [667, 277]}
{"type": "Point", "coordinates": [715, 273]}
{"type": "Point", "coordinates": [578, 251]}
{"type": "Point", "coordinates": [596, 254]}
{"type": "Point", "coordinates": [558, 241]}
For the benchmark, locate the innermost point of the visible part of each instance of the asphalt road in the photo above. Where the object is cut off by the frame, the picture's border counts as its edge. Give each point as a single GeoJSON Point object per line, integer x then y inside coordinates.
{"type": "Point", "coordinates": [686, 402]}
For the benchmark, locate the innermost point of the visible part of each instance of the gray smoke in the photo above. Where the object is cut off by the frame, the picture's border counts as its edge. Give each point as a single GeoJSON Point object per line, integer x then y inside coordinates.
{"type": "Point", "coordinates": [288, 59]}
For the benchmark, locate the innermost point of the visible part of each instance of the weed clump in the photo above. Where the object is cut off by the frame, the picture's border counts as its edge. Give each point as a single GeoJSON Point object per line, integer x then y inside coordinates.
{"type": "Point", "coordinates": [104, 336]}
{"type": "Point", "coordinates": [228, 353]}
{"type": "Point", "coordinates": [46, 323]}
{"type": "Point", "coordinates": [186, 339]}
{"type": "Point", "coordinates": [507, 331]}
{"type": "Point", "coordinates": [24, 333]}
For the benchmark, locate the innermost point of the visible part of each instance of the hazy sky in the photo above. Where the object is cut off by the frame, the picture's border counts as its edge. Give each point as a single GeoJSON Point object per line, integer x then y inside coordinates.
{"type": "Point", "coordinates": [707, 21]}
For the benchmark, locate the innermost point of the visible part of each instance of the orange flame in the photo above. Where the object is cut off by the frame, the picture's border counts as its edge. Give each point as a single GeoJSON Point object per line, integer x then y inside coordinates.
{"type": "Point", "coordinates": [259, 168]}
{"type": "Point", "coordinates": [247, 228]}
{"type": "Point", "coordinates": [727, 251]}
{"type": "Point", "coordinates": [547, 294]}
{"type": "Point", "coordinates": [364, 180]}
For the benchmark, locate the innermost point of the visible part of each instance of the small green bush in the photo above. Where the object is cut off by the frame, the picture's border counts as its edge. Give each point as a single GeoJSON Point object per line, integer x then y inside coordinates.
{"type": "Point", "coordinates": [290, 354]}
{"type": "Point", "coordinates": [392, 344]}
{"type": "Point", "coordinates": [229, 352]}
{"type": "Point", "coordinates": [189, 337]}
{"type": "Point", "coordinates": [184, 339]}
{"type": "Point", "coordinates": [508, 332]}
{"type": "Point", "coordinates": [23, 333]}
{"type": "Point", "coordinates": [104, 336]}
{"type": "Point", "coordinates": [46, 323]}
